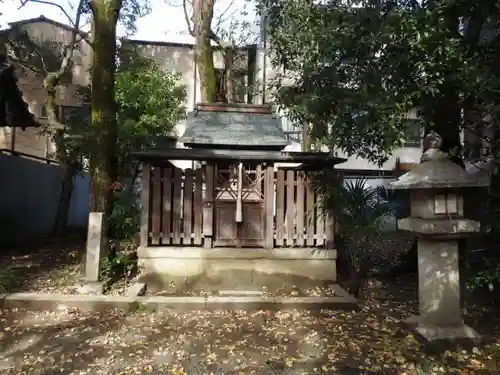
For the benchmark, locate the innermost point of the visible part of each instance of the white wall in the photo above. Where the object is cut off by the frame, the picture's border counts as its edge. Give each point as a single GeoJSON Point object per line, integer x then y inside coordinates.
{"type": "Point", "coordinates": [405, 154]}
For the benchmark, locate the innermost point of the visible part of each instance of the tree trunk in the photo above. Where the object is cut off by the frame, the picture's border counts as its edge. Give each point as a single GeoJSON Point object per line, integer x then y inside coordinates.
{"type": "Point", "coordinates": [306, 137]}
{"type": "Point", "coordinates": [51, 82]}
{"type": "Point", "coordinates": [229, 54]}
{"type": "Point", "coordinates": [203, 11]}
{"type": "Point", "coordinates": [447, 119]}
{"type": "Point", "coordinates": [61, 222]}
{"type": "Point", "coordinates": [103, 160]}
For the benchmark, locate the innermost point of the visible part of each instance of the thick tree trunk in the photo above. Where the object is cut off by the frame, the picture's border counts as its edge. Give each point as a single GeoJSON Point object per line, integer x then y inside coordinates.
{"type": "Point", "coordinates": [61, 222]}
{"type": "Point", "coordinates": [203, 11]}
{"type": "Point", "coordinates": [103, 160]}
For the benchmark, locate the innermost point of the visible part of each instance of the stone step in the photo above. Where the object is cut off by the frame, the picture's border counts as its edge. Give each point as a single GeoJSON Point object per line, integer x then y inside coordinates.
{"type": "Point", "coordinates": [241, 292]}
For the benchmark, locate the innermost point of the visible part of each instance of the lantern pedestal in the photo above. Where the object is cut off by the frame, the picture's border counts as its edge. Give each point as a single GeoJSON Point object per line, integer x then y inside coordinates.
{"type": "Point", "coordinates": [439, 293]}
{"type": "Point", "coordinates": [437, 334]}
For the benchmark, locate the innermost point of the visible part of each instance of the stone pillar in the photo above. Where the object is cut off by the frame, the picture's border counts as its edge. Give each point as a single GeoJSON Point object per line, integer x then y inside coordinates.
{"type": "Point", "coordinates": [95, 246]}
{"type": "Point", "coordinates": [439, 316]}
{"type": "Point", "coordinates": [438, 282]}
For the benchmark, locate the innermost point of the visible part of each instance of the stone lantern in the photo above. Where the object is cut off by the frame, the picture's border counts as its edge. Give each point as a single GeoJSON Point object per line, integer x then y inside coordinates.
{"type": "Point", "coordinates": [436, 188]}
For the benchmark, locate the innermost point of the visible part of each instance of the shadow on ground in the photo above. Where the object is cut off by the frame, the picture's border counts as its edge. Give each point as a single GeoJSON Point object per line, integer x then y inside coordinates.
{"type": "Point", "coordinates": [44, 266]}
{"type": "Point", "coordinates": [368, 341]}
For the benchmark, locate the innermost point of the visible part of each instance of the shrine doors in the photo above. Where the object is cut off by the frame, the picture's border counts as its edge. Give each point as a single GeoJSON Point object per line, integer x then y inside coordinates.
{"type": "Point", "coordinates": [239, 205]}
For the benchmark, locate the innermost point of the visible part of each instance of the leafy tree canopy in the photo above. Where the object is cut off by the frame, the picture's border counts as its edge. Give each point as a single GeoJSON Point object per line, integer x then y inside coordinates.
{"type": "Point", "coordinates": [150, 103]}
{"type": "Point", "coordinates": [355, 68]}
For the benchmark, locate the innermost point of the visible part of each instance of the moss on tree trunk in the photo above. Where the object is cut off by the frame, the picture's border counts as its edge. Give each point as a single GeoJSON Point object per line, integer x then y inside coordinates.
{"type": "Point", "coordinates": [202, 28]}
{"type": "Point", "coordinates": [103, 160]}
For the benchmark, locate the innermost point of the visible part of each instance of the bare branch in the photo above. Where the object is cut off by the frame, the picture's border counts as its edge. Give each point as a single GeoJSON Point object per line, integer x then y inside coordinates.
{"type": "Point", "coordinates": [222, 18]}
{"type": "Point", "coordinates": [60, 7]}
{"type": "Point", "coordinates": [68, 56]}
{"type": "Point", "coordinates": [74, 24]}
{"type": "Point", "coordinates": [186, 16]}
{"type": "Point", "coordinates": [53, 79]}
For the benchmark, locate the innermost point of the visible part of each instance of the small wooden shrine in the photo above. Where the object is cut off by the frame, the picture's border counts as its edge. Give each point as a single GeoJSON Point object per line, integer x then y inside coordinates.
{"type": "Point", "coordinates": [236, 202]}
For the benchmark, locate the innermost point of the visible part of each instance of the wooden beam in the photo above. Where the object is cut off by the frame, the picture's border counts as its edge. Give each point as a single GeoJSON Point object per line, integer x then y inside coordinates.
{"type": "Point", "coordinates": [269, 200]}
{"type": "Point", "coordinates": [145, 181]}
{"type": "Point", "coordinates": [212, 154]}
{"type": "Point", "coordinates": [330, 232]}
{"type": "Point", "coordinates": [208, 205]}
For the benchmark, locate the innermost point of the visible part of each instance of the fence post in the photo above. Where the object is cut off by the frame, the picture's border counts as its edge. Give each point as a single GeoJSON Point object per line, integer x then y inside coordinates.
{"type": "Point", "coordinates": [145, 181]}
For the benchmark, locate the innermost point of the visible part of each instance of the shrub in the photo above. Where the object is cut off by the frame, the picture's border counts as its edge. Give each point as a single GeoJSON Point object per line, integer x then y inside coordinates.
{"type": "Point", "coordinates": [123, 229]}
{"type": "Point", "coordinates": [8, 280]}
{"type": "Point", "coordinates": [360, 214]}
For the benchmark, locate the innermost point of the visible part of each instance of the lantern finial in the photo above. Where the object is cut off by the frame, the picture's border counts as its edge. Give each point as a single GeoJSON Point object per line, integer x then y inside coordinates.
{"type": "Point", "coordinates": [432, 147]}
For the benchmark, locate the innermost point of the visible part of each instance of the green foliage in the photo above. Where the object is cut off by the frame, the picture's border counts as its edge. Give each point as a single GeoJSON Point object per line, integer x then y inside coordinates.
{"type": "Point", "coordinates": [150, 103]}
{"type": "Point", "coordinates": [358, 211]}
{"type": "Point", "coordinates": [483, 273]}
{"type": "Point", "coordinates": [484, 279]}
{"type": "Point", "coordinates": [119, 264]}
{"type": "Point", "coordinates": [137, 307]}
{"type": "Point", "coordinates": [8, 280]}
{"type": "Point", "coordinates": [355, 68]}
{"type": "Point", "coordinates": [124, 219]}
{"type": "Point", "coordinates": [131, 11]}
{"type": "Point", "coordinates": [123, 228]}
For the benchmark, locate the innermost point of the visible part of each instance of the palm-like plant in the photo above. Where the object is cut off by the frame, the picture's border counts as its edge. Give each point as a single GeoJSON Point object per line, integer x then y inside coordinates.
{"type": "Point", "coordinates": [359, 212]}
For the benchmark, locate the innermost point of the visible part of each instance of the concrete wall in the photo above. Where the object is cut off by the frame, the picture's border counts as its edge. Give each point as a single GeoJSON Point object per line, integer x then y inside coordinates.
{"type": "Point", "coordinates": [405, 155]}
{"type": "Point", "coordinates": [30, 141]}
{"type": "Point", "coordinates": [29, 195]}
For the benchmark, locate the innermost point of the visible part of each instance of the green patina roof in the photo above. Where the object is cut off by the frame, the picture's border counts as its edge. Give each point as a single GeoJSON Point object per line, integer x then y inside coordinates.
{"type": "Point", "coordinates": [234, 129]}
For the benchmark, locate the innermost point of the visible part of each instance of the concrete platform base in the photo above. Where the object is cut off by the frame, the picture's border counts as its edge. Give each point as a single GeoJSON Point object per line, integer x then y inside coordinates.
{"type": "Point", "coordinates": [441, 334]}
{"type": "Point", "coordinates": [54, 302]}
{"type": "Point", "coordinates": [233, 268]}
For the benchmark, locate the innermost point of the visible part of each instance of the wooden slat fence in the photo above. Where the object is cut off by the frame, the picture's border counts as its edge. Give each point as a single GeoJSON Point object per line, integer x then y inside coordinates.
{"type": "Point", "coordinates": [177, 209]}
{"type": "Point", "coordinates": [176, 206]}
{"type": "Point", "coordinates": [299, 220]}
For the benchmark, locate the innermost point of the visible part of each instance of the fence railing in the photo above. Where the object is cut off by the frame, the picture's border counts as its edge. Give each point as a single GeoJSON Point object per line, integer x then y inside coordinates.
{"type": "Point", "coordinates": [299, 220]}
{"type": "Point", "coordinates": [176, 206]}
{"type": "Point", "coordinates": [176, 201]}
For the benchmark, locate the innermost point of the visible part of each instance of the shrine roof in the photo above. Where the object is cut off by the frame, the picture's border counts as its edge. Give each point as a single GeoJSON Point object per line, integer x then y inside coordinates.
{"type": "Point", "coordinates": [234, 125]}
{"type": "Point", "coordinates": [308, 159]}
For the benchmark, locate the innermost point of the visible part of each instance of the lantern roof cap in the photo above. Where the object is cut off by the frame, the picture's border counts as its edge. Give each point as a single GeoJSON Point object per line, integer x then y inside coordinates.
{"type": "Point", "coordinates": [436, 171]}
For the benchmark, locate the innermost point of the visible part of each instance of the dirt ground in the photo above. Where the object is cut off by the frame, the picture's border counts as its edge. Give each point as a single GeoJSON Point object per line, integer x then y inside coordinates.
{"type": "Point", "coordinates": [368, 341]}
{"type": "Point", "coordinates": [56, 267]}
{"type": "Point", "coordinates": [371, 340]}
{"type": "Point", "coordinates": [49, 267]}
